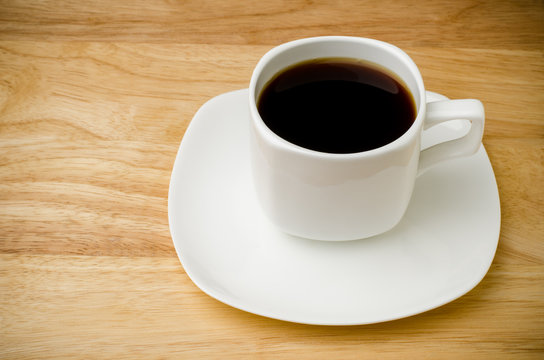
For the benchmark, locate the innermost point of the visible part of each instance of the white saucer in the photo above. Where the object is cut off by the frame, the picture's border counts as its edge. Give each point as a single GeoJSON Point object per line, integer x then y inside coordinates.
{"type": "Point", "coordinates": [441, 249]}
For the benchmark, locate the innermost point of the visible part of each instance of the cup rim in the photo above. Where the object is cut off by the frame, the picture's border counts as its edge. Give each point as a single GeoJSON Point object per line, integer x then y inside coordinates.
{"type": "Point", "coordinates": [281, 143]}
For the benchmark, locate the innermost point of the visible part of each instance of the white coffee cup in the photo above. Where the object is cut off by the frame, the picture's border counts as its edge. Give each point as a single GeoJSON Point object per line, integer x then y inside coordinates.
{"type": "Point", "coordinates": [328, 196]}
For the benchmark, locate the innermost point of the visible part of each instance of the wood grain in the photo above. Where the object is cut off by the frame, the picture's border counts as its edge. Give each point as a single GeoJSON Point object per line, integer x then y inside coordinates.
{"type": "Point", "coordinates": [444, 23]}
{"type": "Point", "coordinates": [94, 100]}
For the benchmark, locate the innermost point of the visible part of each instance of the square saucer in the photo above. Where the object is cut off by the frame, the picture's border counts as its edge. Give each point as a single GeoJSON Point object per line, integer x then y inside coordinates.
{"type": "Point", "coordinates": [441, 249]}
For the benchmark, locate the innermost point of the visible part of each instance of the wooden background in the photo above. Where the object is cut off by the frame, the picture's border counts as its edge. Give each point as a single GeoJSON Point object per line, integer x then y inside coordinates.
{"type": "Point", "coordinates": [95, 97]}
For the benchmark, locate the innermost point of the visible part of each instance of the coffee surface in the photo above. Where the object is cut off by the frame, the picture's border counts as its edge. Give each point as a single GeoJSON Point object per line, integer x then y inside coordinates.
{"type": "Point", "coordinates": [336, 105]}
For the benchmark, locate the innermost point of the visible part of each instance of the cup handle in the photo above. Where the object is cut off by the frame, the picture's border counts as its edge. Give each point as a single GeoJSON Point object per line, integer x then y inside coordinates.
{"type": "Point", "coordinates": [447, 110]}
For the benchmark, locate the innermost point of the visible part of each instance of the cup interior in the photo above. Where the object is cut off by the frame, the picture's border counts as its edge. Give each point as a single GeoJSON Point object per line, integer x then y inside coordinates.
{"type": "Point", "coordinates": [384, 55]}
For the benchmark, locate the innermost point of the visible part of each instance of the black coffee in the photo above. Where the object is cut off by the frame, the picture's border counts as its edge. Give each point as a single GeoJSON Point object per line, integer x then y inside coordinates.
{"type": "Point", "coordinates": [336, 105]}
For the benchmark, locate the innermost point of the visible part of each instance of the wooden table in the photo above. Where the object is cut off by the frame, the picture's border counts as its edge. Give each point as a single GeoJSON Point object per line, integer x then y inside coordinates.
{"type": "Point", "coordinates": [95, 97]}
